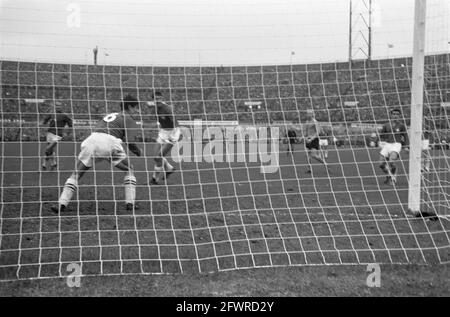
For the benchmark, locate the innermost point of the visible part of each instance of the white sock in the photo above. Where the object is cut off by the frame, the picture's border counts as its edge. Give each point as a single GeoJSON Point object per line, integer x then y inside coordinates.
{"type": "Point", "coordinates": [130, 188]}
{"type": "Point", "coordinates": [70, 187]}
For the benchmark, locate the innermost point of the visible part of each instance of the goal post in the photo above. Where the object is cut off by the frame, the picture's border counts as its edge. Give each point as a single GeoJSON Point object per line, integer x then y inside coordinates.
{"type": "Point", "coordinates": [417, 107]}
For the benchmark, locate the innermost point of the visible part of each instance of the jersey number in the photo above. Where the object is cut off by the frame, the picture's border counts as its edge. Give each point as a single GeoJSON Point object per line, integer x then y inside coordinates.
{"type": "Point", "coordinates": [110, 117]}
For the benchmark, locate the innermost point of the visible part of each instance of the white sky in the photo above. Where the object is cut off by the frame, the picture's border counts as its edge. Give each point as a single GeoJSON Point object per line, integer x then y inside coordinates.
{"type": "Point", "coordinates": [209, 32]}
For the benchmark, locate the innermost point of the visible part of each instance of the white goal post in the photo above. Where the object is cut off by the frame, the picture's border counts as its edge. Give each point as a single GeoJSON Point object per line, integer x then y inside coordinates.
{"type": "Point", "coordinates": [416, 133]}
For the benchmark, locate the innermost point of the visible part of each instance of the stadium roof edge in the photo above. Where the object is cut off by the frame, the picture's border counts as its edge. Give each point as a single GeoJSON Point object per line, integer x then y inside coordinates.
{"type": "Point", "coordinates": [268, 65]}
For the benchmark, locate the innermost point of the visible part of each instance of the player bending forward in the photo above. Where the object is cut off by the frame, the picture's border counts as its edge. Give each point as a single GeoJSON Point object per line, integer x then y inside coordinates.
{"type": "Point", "coordinates": [169, 134]}
{"type": "Point", "coordinates": [56, 123]}
{"type": "Point", "coordinates": [393, 136]}
{"type": "Point", "coordinates": [312, 142]}
{"type": "Point", "coordinates": [106, 143]}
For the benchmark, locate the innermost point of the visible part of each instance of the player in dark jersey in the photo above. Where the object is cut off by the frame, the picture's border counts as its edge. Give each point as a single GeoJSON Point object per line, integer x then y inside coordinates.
{"type": "Point", "coordinates": [291, 136]}
{"type": "Point", "coordinates": [56, 121]}
{"type": "Point", "coordinates": [169, 133]}
{"type": "Point", "coordinates": [106, 143]}
{"type": "Point", "coordinates": [393, 136]}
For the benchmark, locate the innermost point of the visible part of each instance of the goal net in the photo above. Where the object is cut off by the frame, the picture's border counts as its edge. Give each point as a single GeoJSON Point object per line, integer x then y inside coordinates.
{"type": "Point", "coordinates": [244, 194]}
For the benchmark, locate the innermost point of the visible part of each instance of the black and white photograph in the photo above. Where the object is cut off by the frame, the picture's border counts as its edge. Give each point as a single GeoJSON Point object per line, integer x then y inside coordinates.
{"type": "Point", "coordinates": [230, 155]}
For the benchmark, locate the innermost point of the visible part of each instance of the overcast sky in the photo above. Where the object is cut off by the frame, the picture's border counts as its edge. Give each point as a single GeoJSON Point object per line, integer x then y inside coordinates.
{"type": "Point", "coordinates": [210, 32]}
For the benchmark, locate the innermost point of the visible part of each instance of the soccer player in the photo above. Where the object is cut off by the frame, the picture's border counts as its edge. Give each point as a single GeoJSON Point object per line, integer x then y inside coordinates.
{"type": "Point", "coordinates": [291, 136]}
{"type": "Point", "coordinates": [56, 121]}
{"type": "Point", "coordinates": [312, 142]}
{"type": "Point", "coordinates": [105, 142]}
{"type": "Point", "coordinates": [323, 144]}
{"type": "Point", "coordinates": [169, 134]}
{"type": "Point", "coordinates": [393, 136]}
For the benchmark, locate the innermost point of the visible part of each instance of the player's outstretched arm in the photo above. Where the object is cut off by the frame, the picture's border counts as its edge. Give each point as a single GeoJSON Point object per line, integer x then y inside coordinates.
{"type": "Point", "coordinates": [135, 149]}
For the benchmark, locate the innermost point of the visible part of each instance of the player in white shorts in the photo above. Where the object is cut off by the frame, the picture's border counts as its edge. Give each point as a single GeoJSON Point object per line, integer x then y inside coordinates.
{"type": "Point", "coordinates": [169, 134]}
{"type": "Point", "coordinates": [393, 136]}
{"type": "Point", "coordinates": [56, 123]}
{"type": "Point", "coordinates": [105, 143]}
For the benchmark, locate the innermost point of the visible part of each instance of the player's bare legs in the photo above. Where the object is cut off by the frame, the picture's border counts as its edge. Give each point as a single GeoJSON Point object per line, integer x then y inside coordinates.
{"type": "Point", "coordinates": [70, 187]}
{"type": "Point", "coordinates": [49, 155]}
{"type": "Point", "coordinates": [384, 166]}
{"type": "Point", "coordinates": [387, 165]}
{"type": "Point", "coordinates": [130, 184]}
{"type": "Point", "coordinates": [161, 163]}
{"type": "Point", "coordinates": [393, 157]}
{"type": "Point", "coordinates": [290, 148]}
{"type": "Point", "coordinates": [324, 150]}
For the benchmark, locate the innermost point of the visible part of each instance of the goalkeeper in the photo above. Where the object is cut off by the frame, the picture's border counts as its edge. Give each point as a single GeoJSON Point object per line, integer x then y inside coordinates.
{"type": "Point", "coordinates": [106, 143]}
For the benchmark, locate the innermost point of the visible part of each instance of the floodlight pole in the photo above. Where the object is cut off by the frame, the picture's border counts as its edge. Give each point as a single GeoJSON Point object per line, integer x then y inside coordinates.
{"type": "Point", "coordinates": [417, 107]}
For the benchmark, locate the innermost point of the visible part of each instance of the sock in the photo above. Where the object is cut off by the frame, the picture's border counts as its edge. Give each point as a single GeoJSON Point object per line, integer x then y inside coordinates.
{"type": "Point", "coordinates": [53, 158]}
{"type": "Point", "coordinates": [157, 171]}
{"type": "Point", "coordinates": [130, 188]}
{"type": "Point", "coordinates": [167, 165]}
{"type": "Point", "coordinates": [70, 188]}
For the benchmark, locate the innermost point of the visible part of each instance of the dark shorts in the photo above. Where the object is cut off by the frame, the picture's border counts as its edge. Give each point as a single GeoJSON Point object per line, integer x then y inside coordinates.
{"type": "Point", "coordinates": [314, 144]}
{"type": "Point", "coordinates": [292, 140]}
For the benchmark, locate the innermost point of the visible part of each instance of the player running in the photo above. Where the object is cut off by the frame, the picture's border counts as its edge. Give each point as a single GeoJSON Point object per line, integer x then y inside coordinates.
{"type": "Point", "coordinates": [312, 142]}
{"type": "Point", "coordinates": [56, 121]}
{"type": "Point", "coordinates": [393, 136]}
{"type": "Point", "coordinates": [169, 134]}
{"type": "Point", "coordinates": [105, 142]}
